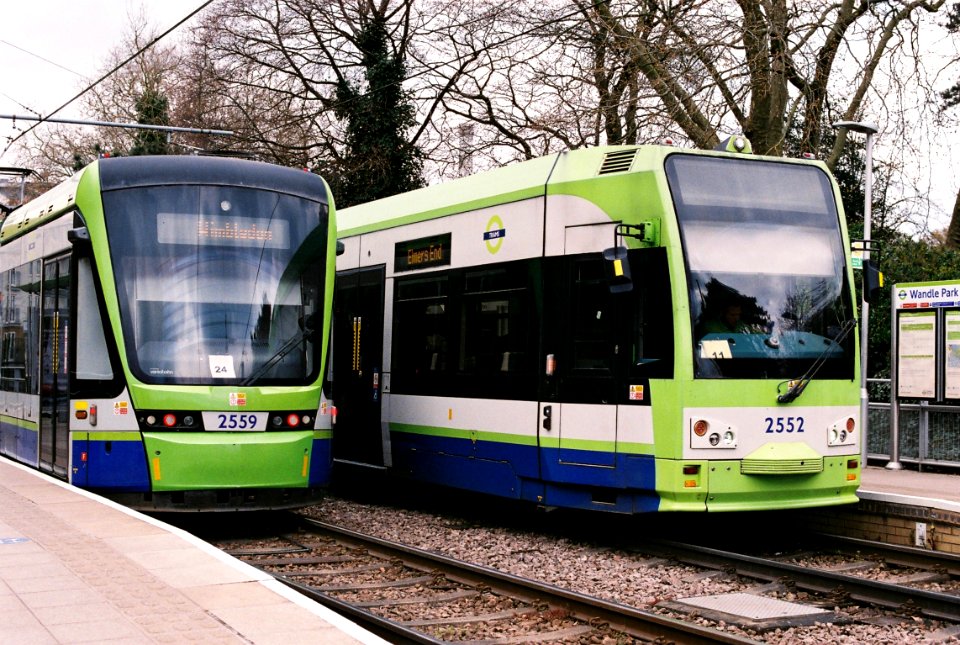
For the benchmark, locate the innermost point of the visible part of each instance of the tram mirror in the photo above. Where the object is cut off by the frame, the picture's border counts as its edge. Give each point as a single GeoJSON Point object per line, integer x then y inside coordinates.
{"type": "Point", "coordinates": [308, 323]}
{"type": "Point", "coordinates": [79, 236]}
{"type": "Point", "coordinates": [872, 281]}
{"type": "Point", "coordinates": [340, 248]}
{"type": "Point", "coordinates": [618, 269]}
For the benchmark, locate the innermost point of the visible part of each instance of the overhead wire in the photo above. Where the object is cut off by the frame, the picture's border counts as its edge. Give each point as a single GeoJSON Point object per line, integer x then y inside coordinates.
{"type": "Point", "coordinates": [108, 74]}
{"type": "Point", "coordinates": [45, 60]}
{"type": "Point", "coordinates": [427, 69]}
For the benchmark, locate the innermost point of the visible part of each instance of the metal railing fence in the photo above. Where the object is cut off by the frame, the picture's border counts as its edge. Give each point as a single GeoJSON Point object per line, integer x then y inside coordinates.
{"type": "Point", "coordinates": [929, 434]}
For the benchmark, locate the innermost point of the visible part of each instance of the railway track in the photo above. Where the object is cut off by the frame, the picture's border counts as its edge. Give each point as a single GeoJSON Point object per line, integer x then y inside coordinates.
{"type": "Point", "coordinates": [841, 568]}
{"type": "Point", "coordinates": [411, 595]}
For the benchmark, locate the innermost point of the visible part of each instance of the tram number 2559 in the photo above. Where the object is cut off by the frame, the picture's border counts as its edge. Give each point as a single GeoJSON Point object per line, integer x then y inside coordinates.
{"type": "Point", "coordinates": [236, 421]}
{"type": "Point", "coordinates": [783, 424]}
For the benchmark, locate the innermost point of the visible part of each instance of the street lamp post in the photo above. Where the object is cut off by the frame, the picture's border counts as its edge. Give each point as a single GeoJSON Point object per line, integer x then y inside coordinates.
{"type": "Point", "coordinates": [869, 130]}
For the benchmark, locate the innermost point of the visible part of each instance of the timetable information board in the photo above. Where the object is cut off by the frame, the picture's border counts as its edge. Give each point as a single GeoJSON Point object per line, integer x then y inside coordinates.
{"type": "Point", "coordinates": [951, 358]}
{"type": "Point", "coordinates": [917, 354]}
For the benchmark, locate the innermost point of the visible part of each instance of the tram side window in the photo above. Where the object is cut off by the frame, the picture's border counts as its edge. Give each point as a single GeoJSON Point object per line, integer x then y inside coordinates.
{"type": "Point", "coordinates": [421, 334]}
{"type": "Point", "coordinates": [93, 360]}
{"type": "Point", "coordinates": [495, 357]}
{"type": "Point", "coordinates": [651, 342]}
{"type": "Point", "coordinates": [21, 317]}
{"type": "Point", "coordinates": [12, 335]}
{"type": "Point", "coordinates": [604, 335]}
{"type": "Point", "coordinates": [592, 317]}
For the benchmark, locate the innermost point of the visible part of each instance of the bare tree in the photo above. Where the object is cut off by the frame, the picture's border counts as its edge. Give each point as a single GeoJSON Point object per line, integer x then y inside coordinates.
{"type": "Point", "coordinates": [59, 150]}
{"type": "Point", "coordinates": [753, 64]}
{"type": "Point", "coordinates": [280, 64]}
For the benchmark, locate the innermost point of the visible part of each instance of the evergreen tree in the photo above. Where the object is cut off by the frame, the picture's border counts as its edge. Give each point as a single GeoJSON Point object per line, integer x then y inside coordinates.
{"type": "Point", "coordinates": [378, 161]}
{"type": "Point", "coordinates": [152, 109]}
{"type": "Point", "coordinates": [951, 98]}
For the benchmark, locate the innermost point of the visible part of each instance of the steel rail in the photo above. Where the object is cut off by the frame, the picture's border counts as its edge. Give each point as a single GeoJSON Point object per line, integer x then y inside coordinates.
{"type": "Point", "coordinates": [636, 622]}
{"type": "Point", "coordinates": [910, 556]}
{"type": "Point", "coordinates": [386, 629]}
{"type": "Point", "coordinates": [931, 603]}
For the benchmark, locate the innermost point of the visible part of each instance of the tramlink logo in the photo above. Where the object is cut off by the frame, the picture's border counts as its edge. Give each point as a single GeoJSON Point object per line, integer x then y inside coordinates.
{"type": "Point", "coordinates": [494, 234]}
{"type": "Point", "coordinates": [238, 399]}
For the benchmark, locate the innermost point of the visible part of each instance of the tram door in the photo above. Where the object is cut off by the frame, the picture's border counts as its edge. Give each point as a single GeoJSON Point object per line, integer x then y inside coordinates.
{"type": "Point", "coordinates": [587, 388]}
{"type": "Point", "coordinates": [54, 366]}
{"type": "Point", "coordinates": [357, 365]}
{"type": "Point", "coordinates": [579, 415]}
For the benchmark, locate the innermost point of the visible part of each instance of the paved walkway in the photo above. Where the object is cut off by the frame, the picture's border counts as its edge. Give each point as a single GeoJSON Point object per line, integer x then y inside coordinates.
{"type": "Point", "coordinates": [75, 568]}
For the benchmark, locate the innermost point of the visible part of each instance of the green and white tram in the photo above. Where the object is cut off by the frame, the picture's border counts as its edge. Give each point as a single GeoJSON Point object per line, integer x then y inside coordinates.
{"type": "Point", "coordinates": [629, 329]}
{"type": "Point", "coordinates": [164, 332]}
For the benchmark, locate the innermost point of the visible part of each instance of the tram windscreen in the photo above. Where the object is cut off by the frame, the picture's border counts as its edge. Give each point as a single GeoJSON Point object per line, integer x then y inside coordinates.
{"type": "Point", "coordinates": [218, 285]}
{"type": "Point", "coordinates": [765, 268]}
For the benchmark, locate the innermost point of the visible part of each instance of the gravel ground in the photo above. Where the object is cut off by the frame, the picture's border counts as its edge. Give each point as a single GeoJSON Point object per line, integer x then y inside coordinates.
{"type": "Point", "coordinates": [604, 567]}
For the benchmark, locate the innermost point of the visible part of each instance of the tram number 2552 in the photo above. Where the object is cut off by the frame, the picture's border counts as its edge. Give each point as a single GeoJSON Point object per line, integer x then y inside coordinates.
{"type": "Point", "coordinates": [783, 424]}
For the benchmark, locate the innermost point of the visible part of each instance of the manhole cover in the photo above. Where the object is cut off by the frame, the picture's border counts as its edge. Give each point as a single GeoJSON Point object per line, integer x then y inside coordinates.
{"type": "Point", "coordinates": [749, 610]}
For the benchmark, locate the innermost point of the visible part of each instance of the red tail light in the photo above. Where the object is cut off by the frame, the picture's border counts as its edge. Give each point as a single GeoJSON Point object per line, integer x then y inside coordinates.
{"type": "Point", "coordinates": [700, 428]}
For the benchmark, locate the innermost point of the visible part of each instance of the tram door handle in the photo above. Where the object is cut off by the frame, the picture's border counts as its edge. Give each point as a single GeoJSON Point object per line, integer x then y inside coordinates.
{"type": "Point", "coordinates": [547, 417]}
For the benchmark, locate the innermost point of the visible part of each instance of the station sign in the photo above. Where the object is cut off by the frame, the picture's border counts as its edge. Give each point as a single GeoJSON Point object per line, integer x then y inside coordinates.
{"type": "Point", "coordinates": [924, 295]}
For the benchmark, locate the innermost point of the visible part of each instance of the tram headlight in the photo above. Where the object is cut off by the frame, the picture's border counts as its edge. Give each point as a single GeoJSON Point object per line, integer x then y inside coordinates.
{"type": "Point", "coordinates": [706, 433]}
{"type": "Point", "coordinates": [842, 432]}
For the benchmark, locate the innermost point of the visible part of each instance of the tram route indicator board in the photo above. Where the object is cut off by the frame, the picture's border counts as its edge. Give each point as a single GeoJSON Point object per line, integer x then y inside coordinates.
{"type": "Point", "coordinates": [926, 330]}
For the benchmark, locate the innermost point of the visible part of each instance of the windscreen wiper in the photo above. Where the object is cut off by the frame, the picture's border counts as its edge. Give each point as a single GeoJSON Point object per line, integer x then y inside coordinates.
{"type": "Point", "coordinates": [797, 386]}
{"type": "Point", "coordinates": [287, 347]}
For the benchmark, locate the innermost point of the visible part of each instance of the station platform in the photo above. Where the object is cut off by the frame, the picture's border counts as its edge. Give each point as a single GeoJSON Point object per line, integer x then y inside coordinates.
{"type": "Point", "coordinates": [76, 568]}
{"type": "Point", "coordinates": [932, 490]}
